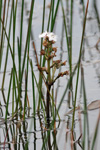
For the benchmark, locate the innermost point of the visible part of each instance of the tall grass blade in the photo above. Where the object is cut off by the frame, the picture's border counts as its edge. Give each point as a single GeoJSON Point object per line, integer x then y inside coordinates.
{"type": "Point", "coordinates": [40, 77]}
{"type": "Point", "coordinates": [2, 32]}
{"type": "Point", "coordinates": [96, 132]}
{"type": "Point", "coordinates": [20, 46]}
{"type": "Point", "coordinates": [38, 88]}
{"type": "Point", "coordinates": [79, 62]}
{"type": "Point", "coordinates": [86, 123]}
{"type": "Point", "coordinates": [0, 13]}
{"type": "Point", "coordinates": [9, 90]}
{"type": "Point", "coordinates": [33, 91]}
{"type": "Point", "coordinates": [6, 59]}
{"type": "Point", "coordinates": [28, 36]}
{"type": "Point", "coordinates": [25, 102]}
{"type": "Point", "coordinates": [12, 59]}
{"type": "Point", "coordinates": [64, 19]}
{"type": "Point", "coordinates": [52, 13]}
{"type": "Point", "coordinates": [55, 15]}
{"type": "Point", "coordinates": [14, 28]}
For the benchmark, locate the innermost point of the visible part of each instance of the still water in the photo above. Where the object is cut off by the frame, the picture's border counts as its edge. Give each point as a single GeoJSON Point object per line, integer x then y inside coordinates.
{"type": "Point", "coordinates": [18, 134]}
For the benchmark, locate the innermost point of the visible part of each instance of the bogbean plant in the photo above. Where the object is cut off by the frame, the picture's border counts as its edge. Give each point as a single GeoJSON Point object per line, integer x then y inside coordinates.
{"type": "Point", "coordinates": [51, 65]}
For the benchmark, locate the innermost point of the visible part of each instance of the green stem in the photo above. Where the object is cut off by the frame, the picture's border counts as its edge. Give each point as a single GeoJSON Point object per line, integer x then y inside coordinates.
{"type": "Point", "coordinates": [48, 62]}
{"type": "Point", "coordinates": [48, 85]}
{"type": "Point", "coordinates": [48, 103]}
{"type": "Point", "coordinates": [79, 62]}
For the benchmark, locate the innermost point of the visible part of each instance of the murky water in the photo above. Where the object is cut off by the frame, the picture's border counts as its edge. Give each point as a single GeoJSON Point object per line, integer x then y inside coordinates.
{"type": "Point", "coordinates": [16, 133]}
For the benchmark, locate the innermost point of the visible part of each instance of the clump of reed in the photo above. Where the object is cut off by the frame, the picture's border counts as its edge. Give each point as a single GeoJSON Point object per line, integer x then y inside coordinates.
{"type": "Point", "coordinates": [49, 53]}
{"type": "Point", "coordinates": [47, 66]}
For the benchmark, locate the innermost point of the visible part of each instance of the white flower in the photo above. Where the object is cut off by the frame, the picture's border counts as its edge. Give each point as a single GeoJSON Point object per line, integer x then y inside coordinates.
{"type": "Point", "coordinates": [51, 36]}
{"type": "Point", "coordinates": [43, 35]}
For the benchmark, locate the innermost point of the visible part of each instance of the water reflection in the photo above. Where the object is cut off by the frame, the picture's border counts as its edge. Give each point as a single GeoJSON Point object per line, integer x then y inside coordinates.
{"type": "Point", "coordinates": [19, 134]}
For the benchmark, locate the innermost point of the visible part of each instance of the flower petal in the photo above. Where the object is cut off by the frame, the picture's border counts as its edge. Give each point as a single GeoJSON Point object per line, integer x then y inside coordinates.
{"type": "Point", "coordinates": [43, 35]}
{"type": "Point", "coordinates": [51, 36]}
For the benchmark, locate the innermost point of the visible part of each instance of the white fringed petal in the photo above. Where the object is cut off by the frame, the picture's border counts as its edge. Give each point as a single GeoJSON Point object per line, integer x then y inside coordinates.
{"type": "Point", "coordinates": [43, 35]}
{"type": "Point", "coordinates": [51, 36]}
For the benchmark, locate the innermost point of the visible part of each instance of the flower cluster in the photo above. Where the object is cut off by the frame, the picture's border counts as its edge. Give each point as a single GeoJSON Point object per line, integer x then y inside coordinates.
{"type": "Point", "coordinates": [49, 52]}
{"type": "Point", "coordinates": [50, 67]}
{"type": "Point", "coordinates": [49, 35]}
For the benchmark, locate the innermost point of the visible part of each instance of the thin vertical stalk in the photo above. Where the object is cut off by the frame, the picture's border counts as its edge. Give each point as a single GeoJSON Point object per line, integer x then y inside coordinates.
{"type": "Point", "coordinates": [14, 28]}
{"type": "Point", "coordinates": [6, 19]}
{"type": "Point", "coordinates": [20, 45]}
{"type": "Point", "coordinates": [86, 124]}
{"type": "Point", "coordinates": [43, 20]}
{"type": "Point", "coordinates": [6, 59]}
{"type": "Point", "coordinates": [48, 25]}
{"type": "Point", "coordinates": [48, 86]}
{"type": "Point", "coordinates": [14, 67]}
{"type": "Point", "coordinates": [52, 12]}
{"type": "Point", "coordinates": [82, 2]}
{"type": "Point", "coordinates": [0, 13]}
{"type": "Point", "coordinates": [67, 41]}
{"type": "Point", "coordinates": [70, 51]}
{"type": "Point", "coordinates": [2, 34]}
{"type": "Point", "coordinates": [40, 78]}
{"type": "Point", "coordinates": [71, 27]}
{"type": "Point", "coordinates": [27, 39]}
{"type": "Point", "coordinates": [55, 15]}
{"type": "Point", "coordinates": [96, 132]}
{"type": "Point", "coordinates": [21, 24]}
{"type": "Point", "coordinates": [28, 47]}
{"type": "Point", "coordinates": [33, 87]}
{"type": "Point", "coordinates": [38, 88]}
{"type": "Point", "coordinates": [19, 84]}
{"type": "Point", "coordinates": [79, 62]}
{"type": "Point", "coordinates": [25, 94]}
{"type": "Point", "coordinates": [8, 96]}
{"type": "Point", "coordinates": [48, 103]}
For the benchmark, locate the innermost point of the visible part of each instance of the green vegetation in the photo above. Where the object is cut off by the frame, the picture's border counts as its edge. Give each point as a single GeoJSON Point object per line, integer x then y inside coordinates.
{"type": "Point", "coordinates": [49, 69]}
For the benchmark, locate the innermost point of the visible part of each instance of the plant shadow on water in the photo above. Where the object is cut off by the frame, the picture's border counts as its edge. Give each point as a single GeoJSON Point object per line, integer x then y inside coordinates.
{"type": "Point", "coordinates": [49, 87]}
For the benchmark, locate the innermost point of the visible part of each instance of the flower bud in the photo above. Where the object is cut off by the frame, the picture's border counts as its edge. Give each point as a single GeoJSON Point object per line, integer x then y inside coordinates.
{"type": "Point", "coordinates": [42, 52]}
{"type": "Point", "coordinates": [54, 49]}
{"type": "Point", "coordinates": [61, 74]}
{"type": "Point", "coordinates": [63, 63]}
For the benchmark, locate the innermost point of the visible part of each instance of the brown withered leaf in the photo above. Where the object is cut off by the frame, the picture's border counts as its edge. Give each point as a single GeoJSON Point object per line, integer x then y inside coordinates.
{"type": "Point", "coordinates": [71, 111]}
{"type": "Point", "coordinates": [94, 105]}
